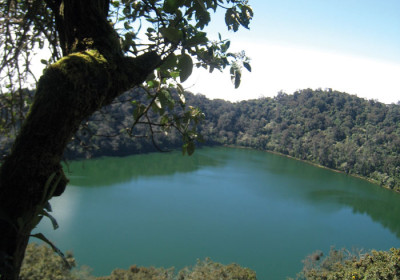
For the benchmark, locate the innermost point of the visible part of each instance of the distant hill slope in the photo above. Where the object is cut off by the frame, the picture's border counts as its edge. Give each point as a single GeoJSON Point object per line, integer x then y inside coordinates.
{"type": "Point", "coordinates": [324, 127]}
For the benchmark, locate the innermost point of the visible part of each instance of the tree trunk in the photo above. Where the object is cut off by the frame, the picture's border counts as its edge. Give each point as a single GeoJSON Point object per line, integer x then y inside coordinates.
{"type": "Point", "coordinates": [91, 75]}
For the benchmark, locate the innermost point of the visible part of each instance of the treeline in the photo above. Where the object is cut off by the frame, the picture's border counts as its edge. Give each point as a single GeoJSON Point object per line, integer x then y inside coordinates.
{"type": "Point", "coordinates": [324, 127]}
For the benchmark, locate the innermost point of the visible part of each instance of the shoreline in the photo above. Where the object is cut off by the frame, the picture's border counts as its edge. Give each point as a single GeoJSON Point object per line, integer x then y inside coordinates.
{"type": "Point", "coordinates": [370, 180]}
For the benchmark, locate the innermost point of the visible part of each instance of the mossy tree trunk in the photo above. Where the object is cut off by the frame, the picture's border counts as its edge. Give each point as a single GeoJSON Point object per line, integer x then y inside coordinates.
{"type": "Point", "coordinates": [91, 74]}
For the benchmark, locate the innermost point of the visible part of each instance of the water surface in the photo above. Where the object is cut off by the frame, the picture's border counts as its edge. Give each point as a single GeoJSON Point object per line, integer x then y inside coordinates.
{"type": "Point", "coordinates": [257, 209]}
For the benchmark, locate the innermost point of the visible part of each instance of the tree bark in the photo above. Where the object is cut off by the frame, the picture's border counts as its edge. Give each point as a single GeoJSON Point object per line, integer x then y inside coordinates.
{"type": "Point", "coordinates": [92, 74]}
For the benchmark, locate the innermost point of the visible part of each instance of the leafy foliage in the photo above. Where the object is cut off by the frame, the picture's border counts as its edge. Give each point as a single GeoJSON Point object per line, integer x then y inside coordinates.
{"type": "Point", "coordinates": [208, 269]}
{"type": "Point", "coordinates": [171, 28]}
{"type": "Point", "coordinates": [341, 264]}
{"type": "Point", "coordinates": [41, 263]}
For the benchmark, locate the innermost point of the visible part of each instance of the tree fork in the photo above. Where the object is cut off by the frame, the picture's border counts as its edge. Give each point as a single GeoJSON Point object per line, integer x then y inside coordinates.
{"type": "Point", "coordinates": [68, 93]}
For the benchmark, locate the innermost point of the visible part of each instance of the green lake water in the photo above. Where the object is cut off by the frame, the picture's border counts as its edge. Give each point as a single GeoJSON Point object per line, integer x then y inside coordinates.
{"type": "Point", "coordinates": [259, 210]}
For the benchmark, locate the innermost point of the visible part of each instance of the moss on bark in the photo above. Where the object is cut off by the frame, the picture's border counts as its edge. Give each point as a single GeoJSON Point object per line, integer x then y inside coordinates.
{"type": "Point", "coordinates": [69, 92]}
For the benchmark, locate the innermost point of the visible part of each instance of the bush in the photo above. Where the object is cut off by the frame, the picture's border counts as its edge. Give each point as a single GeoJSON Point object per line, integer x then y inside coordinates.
{"type": "Point", "coordinates": [41, 263]}
{"type": "Point", "coordinates": [341, 264]}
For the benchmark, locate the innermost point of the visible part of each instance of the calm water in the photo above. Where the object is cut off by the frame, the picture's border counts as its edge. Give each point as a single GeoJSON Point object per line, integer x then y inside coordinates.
{"type": "Point", "coordinates": [260, 210]}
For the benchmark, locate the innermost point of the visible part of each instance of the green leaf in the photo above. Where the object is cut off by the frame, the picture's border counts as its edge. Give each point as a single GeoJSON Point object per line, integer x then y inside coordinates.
{"type": "Point", "coordinates": [246, 15]}
{"type": "Point", "coordinates": [182, 98]}
{"type": "Point", "coordinates": [225, 46]}
{"type": "Point", "coordinates": [158, 103]}
{"type": "Point", "coordinates": [198, 39]}
{"type": "Point", "coordinates": [231, 19]}
{"type": "Point", "coordinates": [164, 120]}
{"type": "Point", "coordinates": [172, 34]}
{"type": "Point", "coordinates": [166, 99]}
{"type": "Point", "coordinates": [138, 111]}
{"type": "Point", "coordinates": [115, 4]}
{"type": "Point", "coordinates": [170, 6]}
{"type": "Point", "coordinates": [153, 84]}
{"type": "Point", "coordinates": [185, 65]}
{"type": "Point", "coordinates": [201, 3]}
{"type": "Point", "coordinates": [44, 61]}
{"type": "Point", "coordinates": [48, 191]}
{"type": "Point", "coordinates": [52, 219]}
{"type": "Point", "coordinates": [127, 26]}
{"type": "Point", "coordinates": [170, 62]}
{"type": "Point", "coordinates": [247, 66]}
{"type": "Point", "coordinates": [47, 207]}
{"type": "Point", "coordinates": [238, 75]}
{"type": "Point", "coordinates": [174, 74]}
{"type": "Point", "coordinates": [180, 88]}
{"type": "Point", "coordinates": [190, 148]}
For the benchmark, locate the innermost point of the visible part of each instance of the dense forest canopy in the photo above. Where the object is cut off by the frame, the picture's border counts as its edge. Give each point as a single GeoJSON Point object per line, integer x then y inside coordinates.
{"type": "Point", "coordinates": [325, 127]}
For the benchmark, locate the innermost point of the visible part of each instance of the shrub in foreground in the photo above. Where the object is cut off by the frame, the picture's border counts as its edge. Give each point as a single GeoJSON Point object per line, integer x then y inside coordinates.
{"type": "Point", "coordinates": [41, 263]}
{"type": "Point", "coordinates": [341, 264]}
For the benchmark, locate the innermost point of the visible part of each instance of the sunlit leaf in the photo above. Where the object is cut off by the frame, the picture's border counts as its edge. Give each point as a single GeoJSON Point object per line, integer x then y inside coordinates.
{"type": "Point", "coordinates": [182, 98]}
{"type": "Point", "coordinates": [158, 103]}
{"type": "Point", "coordinates": [180, 88]}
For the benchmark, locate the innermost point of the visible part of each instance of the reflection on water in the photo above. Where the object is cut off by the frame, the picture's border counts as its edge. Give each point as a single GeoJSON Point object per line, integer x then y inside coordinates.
{"type": "Point", "coordinates": [322, 188]}
{"type": "Point", "coordinates": [108, 171]}
{"type": "Point", "coordinates": [253, 208]}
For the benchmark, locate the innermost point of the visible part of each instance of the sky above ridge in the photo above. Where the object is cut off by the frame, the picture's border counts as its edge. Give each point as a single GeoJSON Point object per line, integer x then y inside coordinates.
{"type": "Point", "coordinates": [347, 45]}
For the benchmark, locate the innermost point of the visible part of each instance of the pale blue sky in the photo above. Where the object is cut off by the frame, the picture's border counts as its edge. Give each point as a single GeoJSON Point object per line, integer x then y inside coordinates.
{"type": "Point", "coordinates": [348, 45]}
{"type": "Point", "coordinates": [362, 27]}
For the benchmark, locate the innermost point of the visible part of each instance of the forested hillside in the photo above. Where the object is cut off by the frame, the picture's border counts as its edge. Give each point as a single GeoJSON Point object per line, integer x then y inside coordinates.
{"type": "Point", "coordinates": [329, 128]}
{"type": "Point", "coordinates": [325, 127]}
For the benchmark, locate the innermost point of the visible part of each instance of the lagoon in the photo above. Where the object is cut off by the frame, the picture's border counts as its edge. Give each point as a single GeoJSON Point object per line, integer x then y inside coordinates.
{"type": "Point", "coordinates": [257, 209]}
